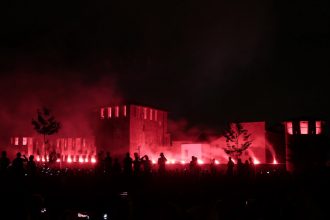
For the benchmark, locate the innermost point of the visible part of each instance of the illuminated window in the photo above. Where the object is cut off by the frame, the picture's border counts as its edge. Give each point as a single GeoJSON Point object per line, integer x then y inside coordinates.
{"type": "Point", "coordinates": [318, 127]}
{"type": "Point", "coordinates": [155, 115]}
{"type": "Point", "coordinates": [117, 111]}
{"type": "Point", "coordinates": [145, 113]}
{"type": "Point", "coordinates": [151, 114]}
{"type": "Point", "coordinates": [124, 110]}
{"type": "Point", "coordinates": [102, 113]}
{"type": "Point", "coordinates": [24, 141]}
{"type": "Point", "coordinates": [289, 127]}
{"type": "Point", "coordinates": [109, 112]}
{"type": "Point", "coordinates": [304, 127]}
{"type": "Point", "coordinates": [16, 141]}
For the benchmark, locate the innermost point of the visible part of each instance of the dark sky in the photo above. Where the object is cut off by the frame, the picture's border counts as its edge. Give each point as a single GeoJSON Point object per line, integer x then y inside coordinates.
{"type": "Point", "coordinates": [206, 61]}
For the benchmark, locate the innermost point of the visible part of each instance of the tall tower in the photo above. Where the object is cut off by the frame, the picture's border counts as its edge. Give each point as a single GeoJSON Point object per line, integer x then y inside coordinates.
{"type": "Point", "coordinates": [305, 145]}
{"type": "Point", "coordinates": [131, 128]}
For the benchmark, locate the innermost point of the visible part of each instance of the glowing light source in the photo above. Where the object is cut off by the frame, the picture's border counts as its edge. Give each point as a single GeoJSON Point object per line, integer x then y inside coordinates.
{"type": "Point", "coordinates": [275, 161]}
{"type": "Point", "coordinates": [16, 141]}
{"type": "Point", "coordinates": [93, 160]}
{"type": "Point", "coordinates": [81, 160]}
{"type": "Point", "coordinates": [24, 141]}
{"type": "Point", "coordinates": [172, 161]}
{"type": "Point", "coordinates": [69, 160]}
{"type": "Point", "coordinates": [200, 162]}
{"type": "Point", "coordinates": [102, 113]}
{"type": "Point", "coordinates": [216, 162]}
{"type": "Point", "coordinates": [183, 162]}
{"type": "Point", "coordinates": [58, 160]}
{"type": "Point", "coordinates": [109, 112]}
{"type": "Point", "coordinates": [289, 127]}
{"type": "Point", "coordinates": [318, 127]}
{"type": "Point", "coordinates": [304, 127]}
{"type": "Point", "coordinates": [117, 111]}
{"type": "Point", "coordinates": [43, 159]}
{"type": "Point", "coordinates": [256, 161]}
{"type": "Point", "coordinates": [86, 159]}
{"type": "Point", "coordinates": [38, 158]}
{"type": "Point", "coordinates": [153, 162]}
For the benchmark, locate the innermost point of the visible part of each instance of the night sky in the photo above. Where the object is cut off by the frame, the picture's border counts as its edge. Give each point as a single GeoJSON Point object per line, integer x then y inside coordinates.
{"type": "Point", "coordinates": [207, 62]}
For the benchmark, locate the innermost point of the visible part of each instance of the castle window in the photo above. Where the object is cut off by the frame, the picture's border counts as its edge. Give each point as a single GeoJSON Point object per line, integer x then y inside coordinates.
{"type": "Point", "coordinates": [117, 111]}
{"type": "Point", "coordinates": [145, 113]}
{"type": "Point", "coordinates": [289, 127]}
{"type": "Point", "coordinates": [24, 141]}
{"type": "Point", "coordinates": [102, 113]}
{"type": "Point", "coordinates": [124, 110]}
{"type": "Point", "coordinates": [303, 127]}
{"type": "Point", "coordinates": [16, 141]}
{"type": "Point", "coordinates": [109, 112]}
{"type": "Point", "coordinates": [318, 127]}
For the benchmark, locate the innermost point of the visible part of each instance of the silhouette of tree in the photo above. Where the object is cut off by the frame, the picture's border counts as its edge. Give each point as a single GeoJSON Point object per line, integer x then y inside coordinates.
{"type": "Point", "coordinates": [238, 140]}
{"type": "Point", "coordinates": [45, 124]}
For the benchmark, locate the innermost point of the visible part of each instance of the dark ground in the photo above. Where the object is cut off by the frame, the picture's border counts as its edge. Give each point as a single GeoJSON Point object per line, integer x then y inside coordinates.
{"type": "Point", "coordinates": [177, 195]}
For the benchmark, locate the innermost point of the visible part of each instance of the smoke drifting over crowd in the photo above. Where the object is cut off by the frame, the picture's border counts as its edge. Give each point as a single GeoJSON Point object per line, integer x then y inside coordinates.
{"type": "Point", "coordinates": [72, 101]}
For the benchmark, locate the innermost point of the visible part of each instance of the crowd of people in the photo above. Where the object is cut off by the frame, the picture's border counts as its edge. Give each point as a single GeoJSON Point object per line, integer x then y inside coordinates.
{"type": "Point", "coordinates": [106, 165]}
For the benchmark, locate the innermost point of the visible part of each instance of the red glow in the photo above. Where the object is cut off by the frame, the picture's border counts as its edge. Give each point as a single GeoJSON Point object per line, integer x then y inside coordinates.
{"type": "Point", "coordinates": [24, 141]}
{"type": "Point", "coordinates": [109, 112]}
{"type": "Point", "coordinates": [102, 113]}
{"type": "Point", "coordinates": [16, 141]}
{"type": "Point", "coordinates": [304, 127]}
{"type": "Point", "coordinates": [172, 161]}
{"type": "Point", "coordinates": [275, 161]}
{"type": "Point", "coordinates": [183, 162]}
{"type": "Point", "coordinates": [86, 160]}
{"type": "Point", "coordinates": [125, 111]}
{"type": "Point", "coordinates": [117, 111]}
{"type": "Point", "coordinates": [318, 127]}
{"type": "Point", "coordinates": [38, 158]}
{"type": "Point", "coordinates": [289, 127]}
{"type": "Point", "coordinates": [43, 159]}
{"type": "Point", "coordinates": [155, 115]}
{"type": "Point", "coordinates": [145, 113]}
{"type": "Point", "coordinates": [58, 160]}
{"type": "Point", "coordinates": [150, 114]}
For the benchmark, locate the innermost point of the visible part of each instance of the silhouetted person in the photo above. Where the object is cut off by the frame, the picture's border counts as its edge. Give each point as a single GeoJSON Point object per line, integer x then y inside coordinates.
{"type": "Point", "coordinates": [252, 168]}
{"type": "Point", "coordinates": [4, 162]}
{"type": "Point", "coordinates": [213, 167]}
{"type": "Point", "coordinates": [246, 169]}
{"type": "Point", "coordinates": [31, 166]}
{"type": "Point", "coordinates": [116, 167]}
{"type": "Point", "coordinates": [193, 165]}
{"type": "Point", "coordinates": [161, 163]}
{"type": "Point", "coordinates": [100, 163]}
{"type": "Point", "coordinates": [18, 166]}
{"type": "Point", "coordinates": [230, 167]}
{"type": "Point", "coordinates": [137, 163]}
{"type": "Point", "coordinates": [146, 164]}
{"type": "Point", "coordinates": [128, 164]}
{"type": "Point", "coordinates": [108, 163]}
{"type": "Point", "coordinates": [240, 167]}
